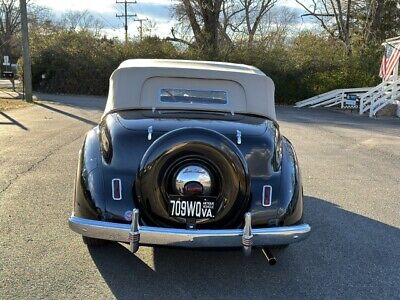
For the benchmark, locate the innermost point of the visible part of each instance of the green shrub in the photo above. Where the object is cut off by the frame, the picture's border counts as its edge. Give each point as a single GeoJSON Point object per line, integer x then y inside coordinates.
{"type": "Point", "coordinates": [308, 64]}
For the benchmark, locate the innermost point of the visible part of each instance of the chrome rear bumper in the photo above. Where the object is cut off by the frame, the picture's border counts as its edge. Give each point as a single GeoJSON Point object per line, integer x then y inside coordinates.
{"type": "Point", "coordinates": [145, 235]}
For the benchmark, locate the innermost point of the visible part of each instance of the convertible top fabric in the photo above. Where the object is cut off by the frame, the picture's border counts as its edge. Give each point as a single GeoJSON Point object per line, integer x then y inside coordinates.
{"type": "Point", "coordinates": [137, 83]}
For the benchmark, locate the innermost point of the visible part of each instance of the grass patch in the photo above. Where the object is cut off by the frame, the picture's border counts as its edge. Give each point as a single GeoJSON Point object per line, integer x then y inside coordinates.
{"type": "Point", "coordinates": [7, 104]}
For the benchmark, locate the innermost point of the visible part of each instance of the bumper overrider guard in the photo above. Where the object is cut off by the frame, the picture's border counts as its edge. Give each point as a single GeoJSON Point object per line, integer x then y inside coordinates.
{"type": "Point", "coordinates": [136, 235]}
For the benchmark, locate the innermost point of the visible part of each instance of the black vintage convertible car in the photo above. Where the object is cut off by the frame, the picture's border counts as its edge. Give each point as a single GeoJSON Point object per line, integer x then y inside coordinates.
{"type": "Point", "coordinates": [188, 154]}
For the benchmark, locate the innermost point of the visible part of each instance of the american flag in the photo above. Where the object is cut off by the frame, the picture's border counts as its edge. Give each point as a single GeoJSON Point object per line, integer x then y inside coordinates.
{"type": "Point", "coordinates": [389, 61]}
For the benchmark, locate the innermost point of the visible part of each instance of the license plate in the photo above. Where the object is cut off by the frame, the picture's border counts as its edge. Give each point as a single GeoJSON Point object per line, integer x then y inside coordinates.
{"type": "Point", "coordinates": [192, 207]}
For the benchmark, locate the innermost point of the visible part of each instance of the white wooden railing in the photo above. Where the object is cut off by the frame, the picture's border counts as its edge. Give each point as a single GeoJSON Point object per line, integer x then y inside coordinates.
{"type": "Point", "coordinates": [372, 99]}
{"type": "Point", "coordinates": [332, 98]}
{"type": "Point", "coordinates": [380, 96]}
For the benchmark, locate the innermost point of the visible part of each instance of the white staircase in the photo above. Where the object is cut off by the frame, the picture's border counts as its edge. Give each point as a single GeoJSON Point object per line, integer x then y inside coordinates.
{"type": "Point", "coordinates": [372, 99]}
{"type": "Point", "coordinates": [380, 96]}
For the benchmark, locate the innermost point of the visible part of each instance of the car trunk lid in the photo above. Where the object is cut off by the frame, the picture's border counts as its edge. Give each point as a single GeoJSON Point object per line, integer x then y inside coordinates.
{"type": "Point", "coordinates": [165, 121]}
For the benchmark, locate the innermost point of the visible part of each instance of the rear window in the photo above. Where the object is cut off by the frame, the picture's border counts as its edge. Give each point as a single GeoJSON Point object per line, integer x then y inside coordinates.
{"type": "Point", "coordinates": [193, 96]}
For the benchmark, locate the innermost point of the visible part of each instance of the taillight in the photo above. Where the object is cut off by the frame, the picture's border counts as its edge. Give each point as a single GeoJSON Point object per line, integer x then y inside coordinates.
{"type": "Point", "coordinates": [116, 189]}
{"type": "Point", "coordinates": [267, 195]}
{"type": "Point", "coordinates": [277, 159]}
{"type": "Point", "coordinates": [105, 143]}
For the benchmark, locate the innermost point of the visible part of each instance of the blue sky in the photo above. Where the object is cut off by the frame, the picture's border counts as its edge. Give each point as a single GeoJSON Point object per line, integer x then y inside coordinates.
{"type": "Point", "coordinates": [158, 11]}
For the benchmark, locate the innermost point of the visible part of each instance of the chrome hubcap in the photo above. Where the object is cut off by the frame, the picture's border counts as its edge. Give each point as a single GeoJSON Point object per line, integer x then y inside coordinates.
{"type": "Point", "coordinates": [190, 176]}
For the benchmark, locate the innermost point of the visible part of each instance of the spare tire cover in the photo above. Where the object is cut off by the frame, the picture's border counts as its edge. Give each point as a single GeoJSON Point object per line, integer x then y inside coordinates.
{"type": "Point", "coordinates": [193, 146]}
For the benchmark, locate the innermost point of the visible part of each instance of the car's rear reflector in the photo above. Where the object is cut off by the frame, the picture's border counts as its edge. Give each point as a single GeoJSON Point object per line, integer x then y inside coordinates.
{"type": "Point", "coordinates": [267, 195]}
{"type": "Point", "coordinates": [116, 189]}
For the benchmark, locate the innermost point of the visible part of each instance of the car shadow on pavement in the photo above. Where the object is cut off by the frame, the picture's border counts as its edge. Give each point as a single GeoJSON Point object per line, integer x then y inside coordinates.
{"type": "Point", "coordinates": [12, 121]}
{"type": "Point", "coordinates": [347, 255]}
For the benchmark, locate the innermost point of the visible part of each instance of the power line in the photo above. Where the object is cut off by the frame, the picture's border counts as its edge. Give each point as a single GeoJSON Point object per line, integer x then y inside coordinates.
{"type": "Point", "coordinates": [106, 21]}
{"type": "Point", "coordinates": [126, 16]}
{"type": "Point", "coordinates": [120, 10]}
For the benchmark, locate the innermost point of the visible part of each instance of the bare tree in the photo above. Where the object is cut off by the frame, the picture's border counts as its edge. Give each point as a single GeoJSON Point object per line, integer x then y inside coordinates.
{"type": "Point", "coordinates": [206, 26]}
{"type": "Point", "coordinates": [220, 21]}
{"type": "Point", "coordinates": [276, 27]}
{"type": "Point", "coordinates": [10, 20]}
{"type": "Point", "coordinates": [335, 17]}
{"type": "Point", "coordinates": [81, 20]}
{"type": "Point", "coordinates": [242, 18]}
{"type": "Point", "coordinates": [232, 19]}
{"type": "Point", "coordinates": [254, 12]}
{"type": "Point", "coordinates": [203, 19]}
{"type": "Point", "coordinates": [375, 18]}
{"type": "Point", "coordinates": [10, 25]}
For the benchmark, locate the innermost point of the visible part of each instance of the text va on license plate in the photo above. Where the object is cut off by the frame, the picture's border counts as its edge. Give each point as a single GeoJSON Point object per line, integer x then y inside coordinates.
{"type": "Point", "coordinates": [192, 209]}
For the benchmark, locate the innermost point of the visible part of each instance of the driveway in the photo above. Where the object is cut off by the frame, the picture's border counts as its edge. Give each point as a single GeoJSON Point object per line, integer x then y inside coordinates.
{"type": "Point", "coordinates": [351, 173]}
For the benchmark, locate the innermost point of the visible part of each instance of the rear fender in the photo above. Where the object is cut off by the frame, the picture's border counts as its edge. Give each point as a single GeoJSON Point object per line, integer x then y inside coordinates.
{"type": "Point", "coordinates": [89, 198]}
{"type": "Point", "coordinates": [291, 205]}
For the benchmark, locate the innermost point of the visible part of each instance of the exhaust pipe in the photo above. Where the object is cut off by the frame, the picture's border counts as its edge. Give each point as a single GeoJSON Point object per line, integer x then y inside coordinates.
{"type": "Point", "coordinates": [270, 257]}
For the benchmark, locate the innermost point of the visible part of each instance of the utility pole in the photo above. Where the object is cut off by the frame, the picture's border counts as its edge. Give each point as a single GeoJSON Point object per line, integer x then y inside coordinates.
{"type": "Point", "coordinates": [126, 16]}
{"type": "Point", "coordinates": [141, 26]}
{"type": "Point", "coordinates": [26, 53]}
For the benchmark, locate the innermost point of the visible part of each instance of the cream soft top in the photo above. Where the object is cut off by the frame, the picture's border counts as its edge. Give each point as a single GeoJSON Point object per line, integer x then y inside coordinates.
{"type": "Point", "coordinates": [138, 83]}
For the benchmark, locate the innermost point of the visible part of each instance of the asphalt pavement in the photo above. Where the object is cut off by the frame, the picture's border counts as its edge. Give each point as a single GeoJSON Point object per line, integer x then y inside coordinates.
{"type": "Point", "coordinates": [351, 173]}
